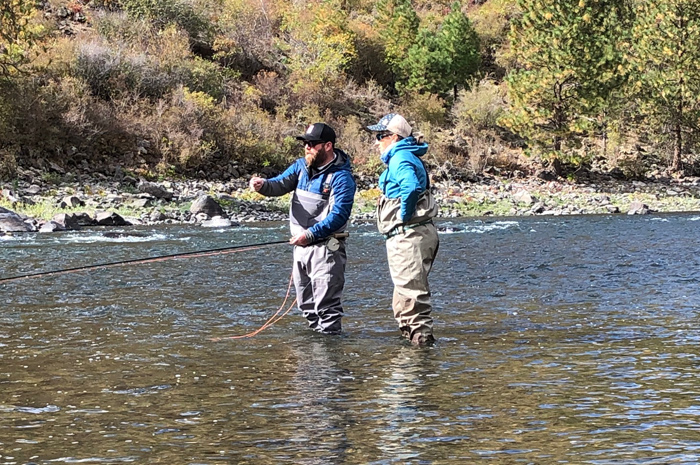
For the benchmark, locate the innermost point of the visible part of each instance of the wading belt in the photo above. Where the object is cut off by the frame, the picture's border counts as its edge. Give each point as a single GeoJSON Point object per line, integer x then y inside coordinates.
{"type": "Point", "coordinates": [402, 228]}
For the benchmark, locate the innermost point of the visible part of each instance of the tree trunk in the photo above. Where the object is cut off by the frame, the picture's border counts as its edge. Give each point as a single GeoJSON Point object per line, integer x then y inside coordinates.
{"type": "Point", "coordinates": [676, 163]}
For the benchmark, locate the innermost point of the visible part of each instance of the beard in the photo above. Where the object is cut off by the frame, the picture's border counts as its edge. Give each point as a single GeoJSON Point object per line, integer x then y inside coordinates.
{"type": "Point", "coordinates": [314, 159]}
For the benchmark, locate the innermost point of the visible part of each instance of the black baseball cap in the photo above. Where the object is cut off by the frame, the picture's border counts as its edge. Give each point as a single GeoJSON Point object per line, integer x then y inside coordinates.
{"type": "Point", "coordinates": [318, 132]}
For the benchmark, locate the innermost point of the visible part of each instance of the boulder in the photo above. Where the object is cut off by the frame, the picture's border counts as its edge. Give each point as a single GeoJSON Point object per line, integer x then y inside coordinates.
{"type": "Point", "coordinates": [155, 190]}
{"type": "Point", "coordinates": [84, 219]}
{"type": "Point", "coordinates": [109, 219]}
{"type": "Point", "coordinates": [51, 226]}
{"type": "Point", "coordinates": [71, 201]}
{"type": "Point", "coordinates": [33, 189]}
{"type": "Point", "coordinates": [207, 205]}
{"type": "Point", "coordinates": [523, 197]}
{"type": "Point", "coordinates": [12, 222]}
{"type": "Point", "coordinates": [638, 208]}
{"type": "Point", "coordinates": [142, 203]}
{"type": "Point", "coordinates": [67, 221]}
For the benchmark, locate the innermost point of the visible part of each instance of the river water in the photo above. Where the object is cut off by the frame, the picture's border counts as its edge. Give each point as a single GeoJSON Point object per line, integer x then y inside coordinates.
{"type": "Point", "coordinates": [560, 340]}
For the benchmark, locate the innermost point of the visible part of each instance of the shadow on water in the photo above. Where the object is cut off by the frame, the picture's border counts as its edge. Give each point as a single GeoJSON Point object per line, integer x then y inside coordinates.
{"type": "Point", "coordinates": [561, 340]}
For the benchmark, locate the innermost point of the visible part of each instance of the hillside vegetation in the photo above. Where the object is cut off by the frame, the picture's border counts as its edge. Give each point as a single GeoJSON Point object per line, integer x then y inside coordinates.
{"type": "Point", "coordinates": [218, 88]}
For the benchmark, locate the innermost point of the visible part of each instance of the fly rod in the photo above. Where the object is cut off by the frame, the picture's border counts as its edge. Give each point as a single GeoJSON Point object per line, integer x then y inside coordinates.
{"type": "Point", "coordinates": [194, 254]}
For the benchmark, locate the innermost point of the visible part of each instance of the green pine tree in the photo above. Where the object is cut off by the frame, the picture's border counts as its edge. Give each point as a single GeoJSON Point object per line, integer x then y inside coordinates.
{"type": "Point", "coordinates": [442, 61]}
{"type": "Point", "coordinates": [664, 59]}
{"type": "Point", "coordinates": [569, 63]}
{"type": "Point", "coordinates": [459, 39]}
{"type": "Point", "coordinates": [398, 25]}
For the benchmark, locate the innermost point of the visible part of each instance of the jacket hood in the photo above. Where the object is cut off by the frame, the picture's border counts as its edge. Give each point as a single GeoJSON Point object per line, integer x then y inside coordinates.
{"type": "Point", "coordinates": [342, 162]}
{"type": "Point", "coordinates": [409, 144]}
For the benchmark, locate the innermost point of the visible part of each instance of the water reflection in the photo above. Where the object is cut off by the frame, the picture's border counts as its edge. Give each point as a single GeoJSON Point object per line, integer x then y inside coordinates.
{"type": "Point", "coordinates": [403, 403]}
{"type": "Point", "coordinates": [319, 418]}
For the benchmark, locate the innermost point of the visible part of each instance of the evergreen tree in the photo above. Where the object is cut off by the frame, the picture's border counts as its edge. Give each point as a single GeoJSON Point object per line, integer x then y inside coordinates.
{"type": "Point", "coordinates": [398, 24]}
{"type": "Point", "coordinates": [569, 63]}
{"type": "Point", "coordinates": [459, 39]}
{"type": "Point", "coordinates": [443, 61]}
{"type": "Point", "coordinates": [427, 64]}
{"type": "Point", "coordinates": [665, 61]}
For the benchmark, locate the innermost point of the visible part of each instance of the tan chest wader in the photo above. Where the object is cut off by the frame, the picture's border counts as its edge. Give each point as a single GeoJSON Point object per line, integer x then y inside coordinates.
{"type": "Point", "coordinates": [318, 271]}
{"type": "Point", "coordinates": [411, 249]}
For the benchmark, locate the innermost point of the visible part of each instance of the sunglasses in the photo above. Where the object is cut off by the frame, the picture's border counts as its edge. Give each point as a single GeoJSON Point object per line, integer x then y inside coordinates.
{"type": "Point", "coordinates": [381, 135]}
{"type": "Point", "coordinates": [312, 143]}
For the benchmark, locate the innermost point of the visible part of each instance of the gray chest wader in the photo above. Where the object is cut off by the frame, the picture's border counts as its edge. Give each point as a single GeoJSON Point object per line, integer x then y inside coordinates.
{"type": "Point", "coordinates": [319, 273]}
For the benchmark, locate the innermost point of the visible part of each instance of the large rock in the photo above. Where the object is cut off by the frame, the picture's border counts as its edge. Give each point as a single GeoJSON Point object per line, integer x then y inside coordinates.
{"type": "Point", "coordinates": [155, 190]}
{"type": "Point", "coordinates": [69, 221]}
{"type": "Point", "coordinates": [638, 208]}
{"type": "Point", "coordinates": [524, 197]}
{"type": "Point", "coordinates": [51, 226]}
{"type": "Point", "coordinates": [12, 222]}
{"type": "Point", "coordinates": [206, 204]}
{"type": "Point", "coordinates": [71, 201]}
{"type": "Point", "coordinates": [109, 219]}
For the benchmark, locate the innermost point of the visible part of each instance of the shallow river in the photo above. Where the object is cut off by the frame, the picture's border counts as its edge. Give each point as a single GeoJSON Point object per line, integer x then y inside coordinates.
{"type": "Point", "coordinates": [560, 340]}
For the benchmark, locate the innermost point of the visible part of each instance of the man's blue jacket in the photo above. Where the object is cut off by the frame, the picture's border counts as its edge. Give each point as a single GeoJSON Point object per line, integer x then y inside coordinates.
{"type": "Point", "coordinates": [341, 189]}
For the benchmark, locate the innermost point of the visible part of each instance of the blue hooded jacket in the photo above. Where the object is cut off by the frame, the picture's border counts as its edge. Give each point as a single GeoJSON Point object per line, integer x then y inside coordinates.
{"type": "Point", "coordinates": [405, 175]}
{"type": "Point", "coordinates": [342, 188]}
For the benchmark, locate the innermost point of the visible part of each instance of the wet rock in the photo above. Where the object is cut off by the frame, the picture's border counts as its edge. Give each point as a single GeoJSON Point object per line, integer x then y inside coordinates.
{"type": "Point", "coordinates": [207, 205]}
{"type": "Point", "coordinates": [67, 221]}
{"type": "Point", "coordinates": [109, 219]}
{"type": "Point", "coordinates": [120, 234]}
{"type": "Point", "coordinates": [12, 222]}
{"type": "Point", "coordinates": [51, 226]}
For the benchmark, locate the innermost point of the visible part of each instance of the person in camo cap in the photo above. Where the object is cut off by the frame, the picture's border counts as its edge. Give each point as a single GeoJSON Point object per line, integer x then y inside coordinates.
{"type": "Point", "coordinates": [405, 213]}
{"type": "Point", "coordinates": [324, 192]}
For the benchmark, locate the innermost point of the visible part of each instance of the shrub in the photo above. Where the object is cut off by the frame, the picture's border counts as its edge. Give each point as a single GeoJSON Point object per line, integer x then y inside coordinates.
{"type": "Point", "coordinates": [479, 107]}
{"type": "Point", "coordinates": [167, 12]}
{"type": "Point", "coordinates": [424, 107]}
{"type": "Point", "coordinates": [152, 66]}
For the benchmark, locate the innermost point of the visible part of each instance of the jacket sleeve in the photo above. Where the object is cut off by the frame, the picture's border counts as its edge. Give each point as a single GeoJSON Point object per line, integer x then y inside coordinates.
{"type": "Point", "coordinates": [409, 186]}
{"type": "Point", "coordinates": [343, 196]}
{"type": "Point", "coordinates": [285, 182]}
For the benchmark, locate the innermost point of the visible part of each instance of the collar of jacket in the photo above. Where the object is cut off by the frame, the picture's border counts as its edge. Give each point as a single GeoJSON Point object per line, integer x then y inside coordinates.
{"type": "Point", "coordinates": [409, 143]}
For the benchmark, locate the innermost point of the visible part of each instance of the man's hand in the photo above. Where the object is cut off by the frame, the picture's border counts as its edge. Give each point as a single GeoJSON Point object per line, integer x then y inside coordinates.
{"type": "Point", "coordinates": [300, 239]}
{"type": "Point", "coordinates": [256, 183]}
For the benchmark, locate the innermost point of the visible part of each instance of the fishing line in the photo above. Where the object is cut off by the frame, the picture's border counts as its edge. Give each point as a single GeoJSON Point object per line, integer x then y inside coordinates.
{"type": "Point", "coordinates": [195, 254]}
{"type": "Point", "coordinates": [270, 321]}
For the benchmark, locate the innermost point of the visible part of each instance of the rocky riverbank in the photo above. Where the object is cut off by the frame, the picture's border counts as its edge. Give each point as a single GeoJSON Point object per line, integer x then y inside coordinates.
{"type": "Point", "coordinates": [37, 201]}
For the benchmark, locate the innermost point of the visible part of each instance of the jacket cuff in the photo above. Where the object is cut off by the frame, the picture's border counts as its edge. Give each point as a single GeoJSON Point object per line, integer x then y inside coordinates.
{"type": "Point", "coordinates": [309, 236]}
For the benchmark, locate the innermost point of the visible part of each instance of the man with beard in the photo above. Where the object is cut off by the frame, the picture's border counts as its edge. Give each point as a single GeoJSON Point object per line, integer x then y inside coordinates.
{"type": "Point", "coordinates": [324, 192]}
